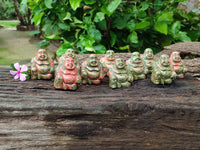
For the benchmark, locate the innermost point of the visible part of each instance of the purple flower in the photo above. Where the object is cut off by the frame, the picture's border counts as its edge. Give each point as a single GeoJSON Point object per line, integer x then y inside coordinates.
{"type": "Point", "coordinates": [19, 74]}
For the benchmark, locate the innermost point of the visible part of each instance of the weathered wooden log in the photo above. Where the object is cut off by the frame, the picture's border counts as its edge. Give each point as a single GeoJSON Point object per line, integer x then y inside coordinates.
{"type": "Point", "coordinates": [144, 116]}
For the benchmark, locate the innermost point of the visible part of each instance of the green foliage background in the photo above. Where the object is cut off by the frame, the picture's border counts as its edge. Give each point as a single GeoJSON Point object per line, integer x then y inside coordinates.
{"type": "Point", "coordinates": [93, 26]}
{"type": "Point", "coordinates": [7, 10]}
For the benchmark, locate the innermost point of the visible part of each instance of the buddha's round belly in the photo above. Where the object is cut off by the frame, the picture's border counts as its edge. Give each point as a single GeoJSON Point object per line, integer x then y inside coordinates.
{"type": "Point", "coordinates": [69, 79]}
{"type": "Point", "coordinates": [44, 68]}
{"type": "Point", "coordinates": [93, 74]}
{"type": "Point", "coordinates": [166, 74]}
{"type": "Point", "coordinates": [122, 78]}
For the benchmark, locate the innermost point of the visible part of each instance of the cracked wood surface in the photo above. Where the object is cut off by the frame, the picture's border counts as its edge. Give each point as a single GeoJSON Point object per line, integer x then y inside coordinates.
{"type": "Point", "coordinates": [144, 116]}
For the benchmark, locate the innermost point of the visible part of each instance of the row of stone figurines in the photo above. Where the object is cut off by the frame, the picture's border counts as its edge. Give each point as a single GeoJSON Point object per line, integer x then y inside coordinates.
{"type": "Point", "coordinates": [69, 73]}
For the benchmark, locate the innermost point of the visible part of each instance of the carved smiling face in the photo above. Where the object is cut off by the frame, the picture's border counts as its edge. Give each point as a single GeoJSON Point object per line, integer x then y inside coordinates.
{"type": "Point", "coordinates": [42, 55]}
{"type": "Point", "coordinates": [69, 63]}
{"type": "Point", "coordinates": [148, 53]}
{"type": "Point", "coordinates": [120, 63]}
{"type": "Point", "coordinates": [110, 55]}
{"type": "Point", "coordinates": [135, 57]}
{"type": "Point", "coordinates": [175, 57]}
{"type": "Point", "coordinates": [164, 60]}
{"type": "Point", "coordinates": [93, 60]}
{"type": "Point", "coordinates": [70, 53]}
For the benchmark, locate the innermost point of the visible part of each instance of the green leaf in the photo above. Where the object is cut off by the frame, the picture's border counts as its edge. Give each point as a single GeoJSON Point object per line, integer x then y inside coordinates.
{"type": "Point", "coordinates": [113, 38]}
{"type": "Point", "coordinates": [112, 6]}
{"type": "Point", "coordinates": [37, 18]}
{"type": "Point", "coordinates": [55, 29]}
{"type": "Point", "coordinates": [62, 49]}
{"type": "Point", "coordinates": [161, 27]}
{"type": "Point", "coordinates": [183, 36]}
{"type": "Point", "coordinates": [34, 32]}
{"type": "Point", "coordinates": [23, 8]}
{"type": "Point", "coordinates": [43, 44]}
{"type": "Point", "coordinates": [77, 21]}
{"type": "Point", "coordinates": [48, 28]}
{"type": "Point", "coordinates": [90, 49]}
{"type": "Point", "coordinates": [181, 13]}
{"type": "Point", "coordinates": [77, 33]}
{"type": "Point", "coordinates": [24, 1]}
{"type": "Point", "coordinates": [124, 47]}
{"type": "Point", "coordinates": [102, 25]}
{"type": "Point", "coordinates": [105, 11]}
{"type": "Point", "coordinates": [75, 4]}
{"type": "Point", "coordinates": [166, 40]}
{"type": "Point", "coordinates": [68, 16]}
{"type": "Point", "coordinates": [131, 25]}
{"type": "Point", "coordinates": [141, 14]}
{"type": "Point", "coordinates": [48, 3]}
{"type": "Point", "coordinates": [145, 5]}
{"type": "Point", "coordinates": [158, 5]}
{"type": "Point", "coordinates": [90, 2]}
{"type": "Point", "coordinates": [175, 28]}
{"type": "Point", "coordinates": [13, 67]}
{"type": "Point", "coordinates": [94, 33]}
{"type": "Point", "coordinates": [99, 49]}
{"type": "Point", "coordinates": [53, 37]}
{"type": "Point", "coordinates": [64, 26]}
{"type": "Point", "coordinates": [99, 17]}
{"type": "Point", "coordinates": [142, 25]}
{"type": "Point", "coordinates": [119, 22]}
{"type": "Point", "coordinates": [197, 11]}
{"type": "Point", "coordinates": [86, 40]}
{"type": "Point", "coordinates": [133, 38]}
{"type": "Point", "coordinates": [165, 17]}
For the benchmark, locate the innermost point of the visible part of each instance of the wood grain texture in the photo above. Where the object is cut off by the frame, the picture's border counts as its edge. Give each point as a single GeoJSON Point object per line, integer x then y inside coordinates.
{"type": "Point", "coordinates": [144, 116]}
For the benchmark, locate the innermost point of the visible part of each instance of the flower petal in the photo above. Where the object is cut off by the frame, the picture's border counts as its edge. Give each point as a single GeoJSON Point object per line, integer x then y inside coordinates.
{"type": "Point", "coordinates": [22, 77]}
{"type": "Point", "coordinates": [17, 66]}
{"type": "Point", "coordinates": [16, 77]}
{"type": "Point", "coordinates": [24, 68]}
{"type": "Point", "coordinates": [13, 72]}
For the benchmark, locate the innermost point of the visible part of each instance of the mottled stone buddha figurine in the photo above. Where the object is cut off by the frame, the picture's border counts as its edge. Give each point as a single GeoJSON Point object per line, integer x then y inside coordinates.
{"type": "Point", "coordinates": [69, 53]}
{"type": "Point", "coordinates": [92, 71]}
{"type": "Point", "coordinates": [108, 60]}
{"type": "Point", "coordinates": [136, 67]}
{"type": "Point", "coordinates": [177, 64]}
{"type": "Point", "coordinates": [42, 67]}
{"type": "Point", "coordinates": [68, 76]}
{"type": "Point", "coordinates": [162, 72]}
{"type": "Point", "coordinates": [148, 60]}
{"type": "Point", "coordinates": [119, 75]}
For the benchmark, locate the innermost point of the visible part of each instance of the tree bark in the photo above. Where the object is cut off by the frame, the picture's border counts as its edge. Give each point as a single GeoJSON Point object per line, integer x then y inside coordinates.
{"type": "Point", "coordinates": [19, 15]}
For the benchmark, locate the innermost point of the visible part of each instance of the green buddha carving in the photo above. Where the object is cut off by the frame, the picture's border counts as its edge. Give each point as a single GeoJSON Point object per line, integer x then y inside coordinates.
{"type": "Point", "coordinates": [148, 60]}
{"type": "Point", "coordinates": [177, 64]}
{"type": "Point", "coordinates": [136, 67]}
{"type": "Point", "coordinates": [92, 70]}
{"type": "Point", "coordinates": [162, 72]}
{"type": "Point", "coordinates": [119, 75]}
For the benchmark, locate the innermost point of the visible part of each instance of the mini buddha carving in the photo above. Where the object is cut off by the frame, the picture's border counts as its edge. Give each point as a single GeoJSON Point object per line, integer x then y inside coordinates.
{"type": "Point", "coordinates": [68, 53]}
{"type": "Point", "coordinates": [42, 67]}
{"type": "Point", "coordinates": [92, 71]}
{"type": "Point", "coordinates": [148, 60]}
{"type": "Point", "coordinates": [119, 76]}
{"type": "Point", "coordinates": [68, 76]}
{"type": "Point", "coordinates": [135, 66]}
{"type": "Point", "coordinates": [108, 60]}
{"type": "Point", "coordinates": [177, 64]}
{"type": "Point", "coordinates": [162, 72]}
